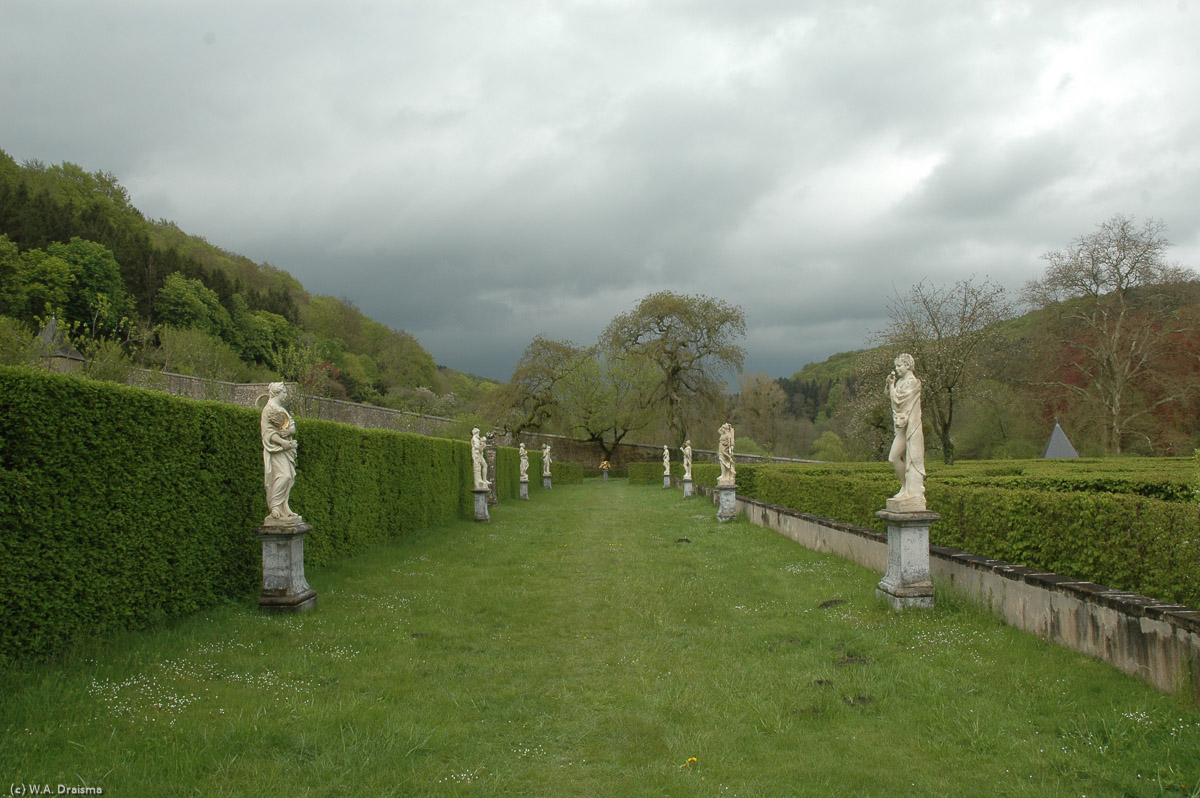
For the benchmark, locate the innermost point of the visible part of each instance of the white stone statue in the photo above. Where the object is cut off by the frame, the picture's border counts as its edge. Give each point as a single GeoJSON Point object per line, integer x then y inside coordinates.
{"type": "Point", "coordinates": [479, 460]}
{"type": "Point", "coordinates": [524, 464]}
{"type": "Point", "coordinates": [687, 459]}
{"type": "Point", "coordinates": [666, 461]}
{"type": "Point", "coordinates": [546, 460]}
{"type": "Point", "coordinates": [908, 448]}
{"type": "Point", "coordinates": [279, 457]}
{"type": "Point", "coordinates": [725, 455]}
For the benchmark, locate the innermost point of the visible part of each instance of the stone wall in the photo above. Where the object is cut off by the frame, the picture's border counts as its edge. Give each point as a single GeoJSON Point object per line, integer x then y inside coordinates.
{"type": "Point", "coordinates": [252, 394]}
{"type": "Point", "coordinates": [1157, 641]}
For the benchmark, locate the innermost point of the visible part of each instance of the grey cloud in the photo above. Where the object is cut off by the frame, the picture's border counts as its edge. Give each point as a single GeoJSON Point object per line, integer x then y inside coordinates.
{"type": "Point", "coordinates": [479, 173]}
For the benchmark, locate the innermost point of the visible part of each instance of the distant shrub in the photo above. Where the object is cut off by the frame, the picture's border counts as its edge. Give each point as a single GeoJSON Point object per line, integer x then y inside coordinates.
{"type": "Point", "coordinates": [645, 474]}
{"type": "Point", "coordinates": [566, 473]}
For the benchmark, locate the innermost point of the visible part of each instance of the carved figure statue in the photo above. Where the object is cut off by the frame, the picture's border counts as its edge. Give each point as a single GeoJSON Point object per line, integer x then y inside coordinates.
{"type": "Point", "coordinates": [546, 460]}
{"type": "Point", "coordinates": [279, 457]}
{"type": "Point", "coordinates": [687, 459]}
{"type": "Point", "coordinates": [479, 460]}
{"type": "Point", "coordinates": [908, 448]}
{"type": "Point", "coordinates": [725, 455]}
{"type": "Point", "coordinates": [524, 463]}
{"type": "Point", "coordinates": [666, 461]}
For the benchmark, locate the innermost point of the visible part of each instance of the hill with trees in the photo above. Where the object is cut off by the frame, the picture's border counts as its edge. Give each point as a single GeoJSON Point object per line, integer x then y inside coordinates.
{"type": "Point", "coordinates": [134, 291]}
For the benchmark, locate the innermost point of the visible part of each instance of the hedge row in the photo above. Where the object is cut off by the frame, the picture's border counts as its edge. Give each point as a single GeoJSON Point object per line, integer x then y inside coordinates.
{"type": "Point", "coordinates": [123, 507]}
{"type": "Point", "coordinates": [562, 473]}
{"type": "Point", "coordinates": [1148, 546]}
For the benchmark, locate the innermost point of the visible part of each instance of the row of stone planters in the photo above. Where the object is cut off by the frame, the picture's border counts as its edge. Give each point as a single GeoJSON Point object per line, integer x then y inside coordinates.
{"type": "Point", "coordinates": [483, 463]}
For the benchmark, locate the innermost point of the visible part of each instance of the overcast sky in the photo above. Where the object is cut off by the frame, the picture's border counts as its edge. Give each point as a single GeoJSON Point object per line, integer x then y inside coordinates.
{"type": "Point", "coordinates": [480, 172]}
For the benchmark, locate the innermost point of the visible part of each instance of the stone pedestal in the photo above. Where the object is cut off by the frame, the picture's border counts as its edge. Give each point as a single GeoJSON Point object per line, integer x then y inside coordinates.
{"type": "Point", "coordinates": [490, 455]}
{"type": "Point", "coordinates": [481, 505]}
{"type": "Point", "coordinates": [687, 489]}
{"type": "Point", "coordinates": [525, 488]}
{"type": "Point", "coordinates": [546, 483]}
{"type": "Point", "coordinates": [284, 587]}
{"type": "Point", "coordinates": [606, 476]}
{"type": "Point", "coordinates": [666, 481]}
{"type": "Point", "coordinates": [726, 502]}
{"type": "Point", "coordinates": [906, 584]}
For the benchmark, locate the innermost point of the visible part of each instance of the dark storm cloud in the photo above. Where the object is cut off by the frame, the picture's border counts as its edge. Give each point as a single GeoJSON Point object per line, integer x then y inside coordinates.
{"type": "Point", "coordinates": [480, 173]}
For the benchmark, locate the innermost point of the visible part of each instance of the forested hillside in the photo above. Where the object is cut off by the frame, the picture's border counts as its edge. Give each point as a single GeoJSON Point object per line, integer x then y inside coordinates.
{"type": "Point", "coordinates": [133, 291]}
{"type": "Point", "coordinates": [1039, 367]}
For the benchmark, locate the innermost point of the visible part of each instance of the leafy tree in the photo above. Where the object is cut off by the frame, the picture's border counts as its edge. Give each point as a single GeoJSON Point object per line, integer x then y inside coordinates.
{"type": "Point", "coordinates": [692, 340]}
{"type": "Point", "coordinates": [197, 353]}
{"type": "Point", "coordinates": [529, 400]}
{"type": "Point", "coordinates": [829, 447]}
{"type": "Point", "coordinates": [760, 409]}
{"type": "Point", "coordinates": [606, 397]}
{"type": "Point", "coordinates": [1115, 301]}
{"type": "Point", "coordinates": [263, 336]}
{"type": "Point", "coordinates": [96, 297]}
{"type": "Point", "coordinates": [18, 344]}
{"type": "Point", "coordinates": [948, 331]}
{"type": "Point", "coordinates": [184, 302]}
{"type": "Point", "coordinates": [43, 285]}
{"type": "Point", "coordinates": [12, 299]}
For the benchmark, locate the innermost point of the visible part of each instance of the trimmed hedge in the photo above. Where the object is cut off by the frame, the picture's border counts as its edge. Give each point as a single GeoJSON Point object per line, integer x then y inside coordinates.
{"type": "Point", "coordinates": [123, 507]}
{"type": "Point", "coordinates": [1144, 545]}
{"type": "Point", "coordinates": [645, 474]}
{"type": "Point", "coordinates": [564, 473]}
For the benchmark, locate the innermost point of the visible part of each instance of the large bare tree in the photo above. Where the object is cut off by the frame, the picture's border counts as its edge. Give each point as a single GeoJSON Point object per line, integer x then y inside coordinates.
{"type": "Point", "coordinates": [947, 330]}
{"type": "Point", "coordinates": [1115, 298]}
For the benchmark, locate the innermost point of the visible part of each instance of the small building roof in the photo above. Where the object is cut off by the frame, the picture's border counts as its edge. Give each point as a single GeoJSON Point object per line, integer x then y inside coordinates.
{"type": "Point", "coordinates": [1059, 446]}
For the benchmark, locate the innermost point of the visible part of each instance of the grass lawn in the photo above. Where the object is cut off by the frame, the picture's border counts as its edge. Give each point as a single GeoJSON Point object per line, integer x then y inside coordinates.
{"type": "Point", "coordinates": [600, 640]}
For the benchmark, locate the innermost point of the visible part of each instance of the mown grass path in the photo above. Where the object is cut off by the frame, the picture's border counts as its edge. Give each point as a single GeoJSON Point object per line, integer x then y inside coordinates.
{"type": "Point", "coordinates": [601, 640]}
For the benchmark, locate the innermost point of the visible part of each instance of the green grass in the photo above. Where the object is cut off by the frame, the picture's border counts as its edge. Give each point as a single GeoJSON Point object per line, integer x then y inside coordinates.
{"type": "Point", "coordinates": [575, 646]}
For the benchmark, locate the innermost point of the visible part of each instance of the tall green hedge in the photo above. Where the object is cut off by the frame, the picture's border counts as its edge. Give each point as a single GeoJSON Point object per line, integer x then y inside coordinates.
{"type": "Point", "coordinates": [121, 507]}
{"type": "Point", "coordinates": [565, 473]}
{"type": "Point", "coordinates": [1127, 541]}
{"type": "Point", "coordinates": [645, 474]}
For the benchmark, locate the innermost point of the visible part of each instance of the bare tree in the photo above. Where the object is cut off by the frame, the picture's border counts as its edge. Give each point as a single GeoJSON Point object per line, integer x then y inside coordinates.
{"type": "Point", "coordinates": [947, 331]}
{"type": "Point", "coordinates": [760, 409]}
{"type": "Point", "coordinates": [1114, 298]}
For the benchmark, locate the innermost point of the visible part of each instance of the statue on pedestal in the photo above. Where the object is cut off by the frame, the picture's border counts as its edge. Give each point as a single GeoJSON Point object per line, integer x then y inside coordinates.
{"type": "Point", "coordinates": [907, 455]}
{"type": "Point", "coordinates": [687, 459]}
{"type": "Point", "coordinates": [524, 463]}
{"type": "Point", "coordinates": [725, 456]}
{"type": "Point", "coordinates": [546, 460]}
{"type": "Point", "coordinates": [479, 460]}
{"type": "Point", "coordinates": [666, 461]}
{"type": "Point", "coordinates": [278, 431]}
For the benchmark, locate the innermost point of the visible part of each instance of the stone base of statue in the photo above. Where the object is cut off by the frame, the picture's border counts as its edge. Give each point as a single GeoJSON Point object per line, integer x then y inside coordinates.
{"type": "Point", "coordinates": [913, 504]}
{"type": "Point", "coordinates": [284, 587]}
{"type": "Point", "coordinates": [525, 488]}
{"type": "Point", "coordinates": [687, 489]}
{"type": "Point", "coordinates": [606, 476]}
{"type": "Point", "coordinates": [666, 481]}
{"type": "Point", "coordinates": [546, 483]}
{"type": "Point", "coordinates": [726, 502]}
{"type": "Point", "coordinates": [481, 505]}
{"type": "Point", "coordinates": [906, 585]}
